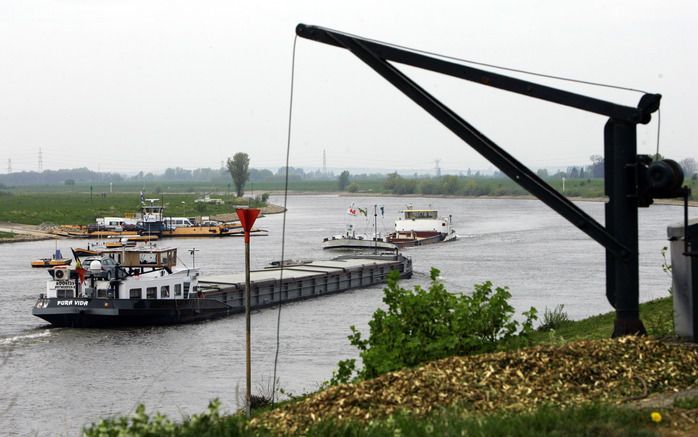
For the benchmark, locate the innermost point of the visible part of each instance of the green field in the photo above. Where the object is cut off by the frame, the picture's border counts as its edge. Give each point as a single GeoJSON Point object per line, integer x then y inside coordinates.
{"type": "Point", "coordinates": [81, 208]}
{"type": "Point", "coordinates": [82, 203]}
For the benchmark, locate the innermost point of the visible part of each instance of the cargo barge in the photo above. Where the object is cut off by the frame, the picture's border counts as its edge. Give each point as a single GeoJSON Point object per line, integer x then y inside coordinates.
{"type": "Point", "coordinates": [142, 287]}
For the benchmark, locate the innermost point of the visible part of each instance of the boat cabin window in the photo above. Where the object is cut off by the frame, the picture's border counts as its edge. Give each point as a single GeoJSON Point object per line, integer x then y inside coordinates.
{"type": "Point", "coordinates": [101, 293]}
{"type": "Point", "coordinates": [165, 291]}
{"type": "Point", "coordinates": [411, 215]}
{"type": "Point", "coordinates": [151, 293]}
{"type": "Point", "coordinates": [186, 290]}
{"type": "Point", "coordinates": [147, 258]}
{"type": "Point", "coordinates": [178, 290]}
{"type": "Point", "coordinates": [135, 293]}
{"type": "Point", "coordinates": [63, 293]}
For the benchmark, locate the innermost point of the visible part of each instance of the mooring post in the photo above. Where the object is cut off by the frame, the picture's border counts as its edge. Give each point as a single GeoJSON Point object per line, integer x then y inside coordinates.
{"type": "Point", "coordinates": [248, 329]}
{"type": "Point", "coordinates": [622, 271]}
{"type": "Point", "coordinates": [247, 217]}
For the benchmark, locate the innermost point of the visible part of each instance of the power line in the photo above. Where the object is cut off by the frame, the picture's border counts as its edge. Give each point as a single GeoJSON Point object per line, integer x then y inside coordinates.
{"type": "Point", "coordinates": [283, 226]}
{"type": "Point", "coordinates": [324, 161]}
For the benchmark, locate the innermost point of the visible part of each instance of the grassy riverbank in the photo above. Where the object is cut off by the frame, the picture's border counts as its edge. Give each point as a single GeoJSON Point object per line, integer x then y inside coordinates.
{"type": "Point", "coordinates": [81, 208]}
{"type": "Point", "coordinates": [570, 381]}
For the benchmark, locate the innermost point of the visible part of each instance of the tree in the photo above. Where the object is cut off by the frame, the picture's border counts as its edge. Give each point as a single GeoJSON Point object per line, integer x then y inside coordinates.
{"type": "Point", "coordinates": [238, 168]}
{"type": "Point", "coordinates": [689, 166]}
{"type": "Point", "coordinates": [597, 166]}
{"type": "Point", "coordinates": [343, 180]}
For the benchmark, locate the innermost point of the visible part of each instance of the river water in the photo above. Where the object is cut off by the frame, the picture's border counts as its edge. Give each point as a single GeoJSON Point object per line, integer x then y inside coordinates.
{"type": "Point", "coordinates": [56, 380]}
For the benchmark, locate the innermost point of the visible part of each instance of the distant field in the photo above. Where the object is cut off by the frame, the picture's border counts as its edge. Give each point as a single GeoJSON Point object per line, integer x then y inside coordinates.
{"type": "Point", "coordinates": [80, 208]}
{"type": "Point", "coordinates": [82, 203]}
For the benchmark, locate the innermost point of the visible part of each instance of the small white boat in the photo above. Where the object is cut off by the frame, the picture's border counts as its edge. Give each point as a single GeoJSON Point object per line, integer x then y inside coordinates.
{"type": "Point", "coordinates": [350, 240]}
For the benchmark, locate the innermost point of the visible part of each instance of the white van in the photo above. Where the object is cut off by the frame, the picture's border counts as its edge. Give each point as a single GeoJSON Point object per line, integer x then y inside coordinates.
{"type": "Point", "coordinates": [177, 222]}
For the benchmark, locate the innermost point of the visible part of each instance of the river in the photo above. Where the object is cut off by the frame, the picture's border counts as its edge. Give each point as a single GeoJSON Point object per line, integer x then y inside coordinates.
{"type": "Point", "coordinates": [55, 381]}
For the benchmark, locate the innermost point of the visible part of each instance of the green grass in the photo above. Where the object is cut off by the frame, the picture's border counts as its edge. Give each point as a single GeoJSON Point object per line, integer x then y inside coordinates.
{"type": "Point", "coordinates": [585, 420]}
{"type": "Point", "coordinates": [687, 403]}
{"type": "Point", "coordinates": [657, 316]}
{"type": "Point", "coordinates": [7, 234]}
{"type": "Point", "coordinates": [82, 208]}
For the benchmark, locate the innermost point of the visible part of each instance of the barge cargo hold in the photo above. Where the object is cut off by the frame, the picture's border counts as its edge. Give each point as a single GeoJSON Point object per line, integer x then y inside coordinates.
{"type": "Point", "coordinates": [125, 289]}
{"type": "Point", "coordinates": [303, 280]}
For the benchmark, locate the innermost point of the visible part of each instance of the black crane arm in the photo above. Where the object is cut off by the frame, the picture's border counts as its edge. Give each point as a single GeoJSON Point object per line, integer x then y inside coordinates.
{"type": "Point", "coordinates": [642, 114]}
{"type": "Point", "coordinates": [517, 171]}
{"type": "Point", "coordinates": [624, 172]}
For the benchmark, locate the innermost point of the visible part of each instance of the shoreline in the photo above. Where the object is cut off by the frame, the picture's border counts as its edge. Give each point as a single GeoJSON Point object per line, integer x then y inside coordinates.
{"type": "Point", "coordinates": [25, 232]}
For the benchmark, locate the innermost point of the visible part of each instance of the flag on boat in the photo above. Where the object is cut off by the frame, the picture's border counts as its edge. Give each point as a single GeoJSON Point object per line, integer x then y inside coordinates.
{"type": "Point", "coordinates": [363, 211]}
{"type": "Point", "coordinates": [382, 208]}
{"type": "Point", "coordinates": [352, 210]}
{"type": "Point", "coordinates": [78, 267]}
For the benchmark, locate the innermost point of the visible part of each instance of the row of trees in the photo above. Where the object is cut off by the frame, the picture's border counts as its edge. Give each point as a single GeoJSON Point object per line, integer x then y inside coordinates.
{"type": "Point", "coordinates": [243, 173]}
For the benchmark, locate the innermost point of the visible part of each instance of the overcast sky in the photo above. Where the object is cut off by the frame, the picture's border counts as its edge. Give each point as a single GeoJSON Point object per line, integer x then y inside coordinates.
{"type": "Point", "coordinates": [133, 85]}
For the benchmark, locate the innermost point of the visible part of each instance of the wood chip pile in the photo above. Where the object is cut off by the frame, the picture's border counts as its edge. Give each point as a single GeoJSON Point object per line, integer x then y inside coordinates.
{"type": "Point", "coordinates": [601, 370]}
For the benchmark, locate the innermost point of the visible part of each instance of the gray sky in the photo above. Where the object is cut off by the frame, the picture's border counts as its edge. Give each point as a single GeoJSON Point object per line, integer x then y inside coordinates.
{"type": "Point", "coordinates": [133, 85]}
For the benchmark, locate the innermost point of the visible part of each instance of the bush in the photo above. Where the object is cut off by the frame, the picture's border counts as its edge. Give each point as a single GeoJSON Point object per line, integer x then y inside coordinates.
{"type": "Point", "coordinates": [141, 424]}
{"type": "Point", "coordinates": [423, 325]}
{"type": "Point", "coordinates": [353, 187]}
{"type": "Point", "coordinates": [553, 319]}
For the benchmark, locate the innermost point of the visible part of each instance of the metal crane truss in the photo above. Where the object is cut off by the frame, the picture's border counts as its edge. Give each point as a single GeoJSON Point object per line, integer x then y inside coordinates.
{"type": "Point", "coordinates": [621, 170]}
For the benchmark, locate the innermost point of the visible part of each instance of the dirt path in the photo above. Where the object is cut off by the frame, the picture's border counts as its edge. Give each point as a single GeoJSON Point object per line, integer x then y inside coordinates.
{"type": "Point", "coordinates": [24, 233]}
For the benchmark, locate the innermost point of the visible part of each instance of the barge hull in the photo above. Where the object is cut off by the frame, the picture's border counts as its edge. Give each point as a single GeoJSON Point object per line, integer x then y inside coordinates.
{"type": "Point", "coordinates": [222, 296]}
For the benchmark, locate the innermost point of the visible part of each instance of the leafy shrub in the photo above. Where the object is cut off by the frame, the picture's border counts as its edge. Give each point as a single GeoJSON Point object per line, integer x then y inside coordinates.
{"type": "Point", "coordinates": [210, 422]}
{"type": "Point", "coordinates": [353, 187]}
{"type": "Point", "coordinates": [423, 325]}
